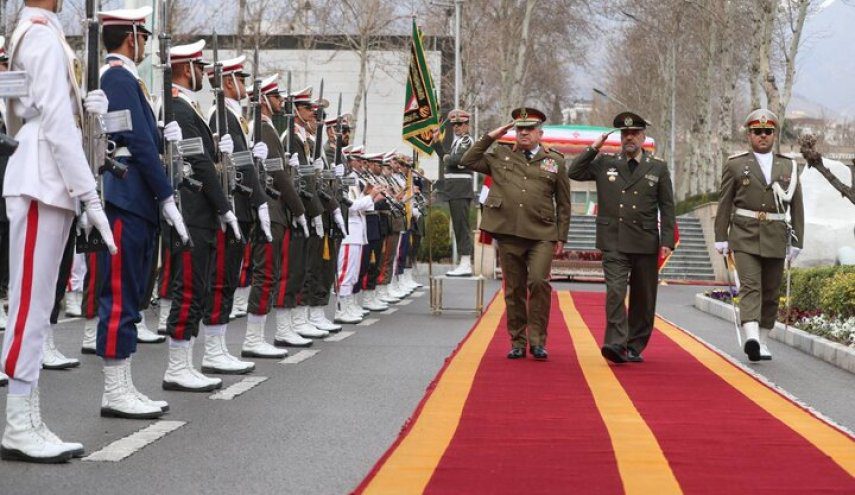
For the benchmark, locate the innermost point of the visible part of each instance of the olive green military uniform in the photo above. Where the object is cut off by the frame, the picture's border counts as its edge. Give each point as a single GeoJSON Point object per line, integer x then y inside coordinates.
{"type": "Point", "coordinates": [527, 211]}
{"type": "Point", "coordinates": [631, 206]}
{"type": "Point", "coordinates": [456, 188]}
{"type": "Point", "coordinates": [759, 243]}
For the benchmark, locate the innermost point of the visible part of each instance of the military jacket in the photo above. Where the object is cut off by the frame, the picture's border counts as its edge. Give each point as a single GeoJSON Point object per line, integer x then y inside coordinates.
{"type": "Point", "coordinates": [313, 205]}
{"type": "Point", "coordinates": [635, 212]}
{"type": "Point", "coordinates": [744, 186]}
{"type": "Point", "coordinates": [288, 204]}
{"type": "Point", "coordinates": [528, 198]}
{"type": "Point", "coordinates": [457, 179]}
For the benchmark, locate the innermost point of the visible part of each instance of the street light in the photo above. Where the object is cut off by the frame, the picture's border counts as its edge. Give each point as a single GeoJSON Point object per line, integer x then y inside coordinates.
{"type": "Point", "coordinates": [672, 62]}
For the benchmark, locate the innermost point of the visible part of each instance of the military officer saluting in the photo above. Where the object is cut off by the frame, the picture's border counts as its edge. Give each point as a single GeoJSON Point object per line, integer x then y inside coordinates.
{"type": "Point", "coordinates": [761, 219]}
{"type": "Point", "coordinates": [635, 221]}
{"type": "Point", "coordinates": [528, 212]}
{"type": "Point", "coordinates": [457, 188]}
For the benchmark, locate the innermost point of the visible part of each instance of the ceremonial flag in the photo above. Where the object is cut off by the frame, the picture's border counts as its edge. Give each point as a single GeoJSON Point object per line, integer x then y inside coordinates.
{"type": "Point", "coordinates": [421, 115]}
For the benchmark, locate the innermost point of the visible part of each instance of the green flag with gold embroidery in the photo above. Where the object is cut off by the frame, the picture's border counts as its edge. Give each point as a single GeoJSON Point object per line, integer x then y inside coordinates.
{"type": "Point", "coordinates": [421, 114]}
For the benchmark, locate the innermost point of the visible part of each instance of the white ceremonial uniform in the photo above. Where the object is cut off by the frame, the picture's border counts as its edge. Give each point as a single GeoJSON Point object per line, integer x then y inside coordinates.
{"type": "Point", "coordinates": [350, 254]}
{"type": "Point", "coordinates": [43, 180]}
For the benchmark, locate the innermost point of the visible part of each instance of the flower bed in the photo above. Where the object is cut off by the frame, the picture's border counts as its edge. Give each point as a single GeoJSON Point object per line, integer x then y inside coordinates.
{"type": "Point", "coordinates": [822, 302]}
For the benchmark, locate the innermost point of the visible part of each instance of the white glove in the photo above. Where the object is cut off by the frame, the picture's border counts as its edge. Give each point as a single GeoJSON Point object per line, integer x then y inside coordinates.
{"type": "Point", "coordinates": [301, 221]}
{"type": "Point", "coordinates": [227, 146]}
{"type": "Point", "coordinates": [793, 253]}
{"type": "Point", "coordinates": [318, 224]}
{"type": "Point", "coordinates": [339, 219]}
{"type": "Point", "coordinates": [339, 170]}
{"type": "Point", "coordinates": [172, 217]}
{"type": "Point", "coordinates": [83, 225]}
{"type": "Point", "coordinates": [318, 164]}
{"type": "Point", "coordinates": [172, 132]}
{"type": "Point", "coordinates": [416, 213]}
{"type": "Point", "coordinates": [96, 102]}
{"type": "Point", "coordinates": [264, 220]}
{"type": "Point", "coordinates": [294, 161]}
{"type": "Point", "coordinates": [96, 216]}
{"type": "Point", "coordinates": [260, 151]}
{"type": "Point", "coordinates": [721, 247]}
{"type": "Point", "coordinates": [228, 219]}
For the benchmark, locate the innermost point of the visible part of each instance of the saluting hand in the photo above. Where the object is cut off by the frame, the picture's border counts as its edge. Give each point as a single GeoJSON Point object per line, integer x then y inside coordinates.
{"type": "Point", "coordinates": [602, 140]}
{"type": "Point", "coordinates": [500, 131]}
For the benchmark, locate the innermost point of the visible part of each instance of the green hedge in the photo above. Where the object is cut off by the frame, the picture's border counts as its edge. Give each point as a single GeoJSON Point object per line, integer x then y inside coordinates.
{"type": "Point", "coordinates": [837, 297]}
{"type": "Point", "coordinates": [809, 284]}
{"type": "Point", "coordinates": [440, 240]}
{"type": "Point", "coordinates": [692, 202]}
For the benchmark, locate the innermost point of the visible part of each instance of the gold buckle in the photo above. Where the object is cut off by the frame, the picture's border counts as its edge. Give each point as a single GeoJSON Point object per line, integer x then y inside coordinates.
{"type": "Point", "coordinates": [761, 215]}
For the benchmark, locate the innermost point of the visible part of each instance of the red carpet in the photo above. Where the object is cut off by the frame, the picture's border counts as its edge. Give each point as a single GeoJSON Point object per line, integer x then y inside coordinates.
{"type": "Point", "coordinates": [686, 421]}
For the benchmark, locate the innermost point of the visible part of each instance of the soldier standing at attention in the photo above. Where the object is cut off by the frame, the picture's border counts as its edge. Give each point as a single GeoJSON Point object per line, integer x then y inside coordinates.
{"type": "Point", "coordinates": [132, 206]}
{"type": "Point", "coordinates": [634, 195]}
{"type": "Point", "coordinates": [761, 219]}
{"type": "Point", "coordinates": [457, 188]}
{"type": "Point", "coordinates": [528, 212]}
{"type": "Point", "coordinates": [47, 180]}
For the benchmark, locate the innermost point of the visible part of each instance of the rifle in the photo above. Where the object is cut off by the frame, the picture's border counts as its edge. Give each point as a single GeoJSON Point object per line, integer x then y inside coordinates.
{"type": "Point", "coordinates": [228, 174]}
{"type": "Point", "coordinates": [338, 159]}
{"type": "Point", "coordinates": [302, 174]}
{"type": "Point", "coordinates": [97, 147]}
{"type": "Point", "coordinates": [179, 172]}
{"type": "Point", "coordinates": [255, 104]}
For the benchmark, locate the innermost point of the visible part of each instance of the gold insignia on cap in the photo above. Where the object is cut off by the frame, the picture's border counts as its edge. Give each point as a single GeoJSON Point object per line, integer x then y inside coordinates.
{"type": "Point", "coordinates": [523, 114]}
{"type": "Point", "coordinates": [763, 119]}
{"type": "Point", "coordinates": [627, 121]}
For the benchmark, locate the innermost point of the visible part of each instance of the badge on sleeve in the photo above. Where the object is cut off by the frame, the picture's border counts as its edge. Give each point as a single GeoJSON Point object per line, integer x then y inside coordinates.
{"type": "Point", "coordinates": [612, 173]}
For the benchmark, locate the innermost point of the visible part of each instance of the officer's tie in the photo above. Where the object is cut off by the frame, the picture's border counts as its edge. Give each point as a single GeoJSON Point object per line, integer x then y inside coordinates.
{"type": "Point", "coordinates": [633, 164]}
{"type": "Point", "coordinates": [528, 155]}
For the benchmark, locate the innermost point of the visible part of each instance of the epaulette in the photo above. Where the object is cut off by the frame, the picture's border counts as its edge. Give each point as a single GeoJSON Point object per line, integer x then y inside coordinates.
{"type": "Point", "coordinates": [785, 157]}
{"type": "Point", "coordinates": [731, 157]}
{"type": "Point", "coordinates": [116, 62]}
{"type": "Point", "coordinates": [550, 149]}
{"type": "Point", "coordinates": [39, 20]}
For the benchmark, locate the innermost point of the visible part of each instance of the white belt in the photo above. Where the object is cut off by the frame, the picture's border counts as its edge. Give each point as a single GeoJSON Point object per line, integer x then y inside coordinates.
{"type": "Point", "coordinates": [120, 152]}
{"type": "Point", "coordinates": [760, 215]}
{"type": "Point", "coordinates": [458, 176]}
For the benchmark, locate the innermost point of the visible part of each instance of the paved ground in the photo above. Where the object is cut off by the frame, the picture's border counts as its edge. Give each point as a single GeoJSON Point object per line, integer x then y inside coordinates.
{"type": "Point", "coordinates": [316, 427]}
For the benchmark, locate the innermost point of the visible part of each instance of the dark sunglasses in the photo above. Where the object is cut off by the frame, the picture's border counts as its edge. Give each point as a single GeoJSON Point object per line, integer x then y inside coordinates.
{"type": "Point", "coordinates": [763, 132]}
{"type": "Point", "coordinates": [457, 124]}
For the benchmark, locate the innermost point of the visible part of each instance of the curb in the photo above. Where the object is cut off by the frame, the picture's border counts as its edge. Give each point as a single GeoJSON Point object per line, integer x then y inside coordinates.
{"type": "Point", "coordinates": [831, 352]}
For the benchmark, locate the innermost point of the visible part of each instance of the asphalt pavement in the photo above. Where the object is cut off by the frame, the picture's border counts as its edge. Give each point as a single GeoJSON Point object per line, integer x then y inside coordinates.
{"type": "Point", "coordinates": [317, 427]}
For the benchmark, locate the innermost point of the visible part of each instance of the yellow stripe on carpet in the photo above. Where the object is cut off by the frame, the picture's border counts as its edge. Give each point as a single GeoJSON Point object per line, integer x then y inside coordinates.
{"type": "Point", "coordinates": [410, 467]}
{"type": "Point", "coordinates": [832, 442]}
{"type": "Point", "coordinates": [642, 464]}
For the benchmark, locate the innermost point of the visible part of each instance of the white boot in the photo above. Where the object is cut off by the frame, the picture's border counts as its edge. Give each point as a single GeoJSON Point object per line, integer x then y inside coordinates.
{"type": "Point", "coordinates": [4, 319]}
{"type": "Point", "coordinates": [301, 325]}
{"type": "Point", "coordinates": [4, 380]}
{"type": "Point", "coordinates": [384, 296]}
{"type": "Point", "coordinates": [765, 353]}
{"type": "Point", "coordinates": [344, 312]}
{"type": "Point", "coordinates": [353, 309]}
{"type": "Point", "coordinates": [397, 290]}
{"type": "Point", "coordinates": [752, 340]}
{"type": "Point", "coordinates": [411, 279]}
{"type": "Point", "coordinates": [119, 399]}
{"type": "Point", "coordinates": [161, 404]}
{"type": "Point", "coordinates": [73, 302]}
{"type": "Point", "coordinates": [240, 303]}
{"type": "Point", "coordinates": [22, 440]}
{"type": "Point", "coordinates": [372, 303]}
{"type": "Point", "coordinates": [146, 336]}
{"type": "Point", "coordinates": [163, 307]}
{"type": "Point", "coordinates": [359, 305]}
{"type": "Point", "coordinates": [90, 334]}
{"type": "Point", "coordinates": [254, 344]}
{"type": "Point", "coordinates": [218, 360]}
{"type": "Point", "coordinates": [180, 374]}
{"type": "Point", "coordinates": [76, 448]}
{"type": "Point", "coordinates": [285, 334]}
{"type": "Point", "coordinates": [53, 359]}
{"type": "Point", "coordinates": [319, 320]}
{"type": "Point", "coordinates": [464, 269]}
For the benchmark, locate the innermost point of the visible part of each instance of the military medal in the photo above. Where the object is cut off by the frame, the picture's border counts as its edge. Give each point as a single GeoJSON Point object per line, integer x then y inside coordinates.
{"type": "Point", "coordinates": [745, 180]}
{"type": "Point", "coordinates": [612, 173]}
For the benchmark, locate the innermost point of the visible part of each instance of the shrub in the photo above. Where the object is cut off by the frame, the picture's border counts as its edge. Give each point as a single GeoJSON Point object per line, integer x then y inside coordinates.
{"type": "Point", "coordinates": [440, 239]}
{"type": "Point", "coordinates": [837, 296]}
{"type": "Point", "coordinates": [807, 284]}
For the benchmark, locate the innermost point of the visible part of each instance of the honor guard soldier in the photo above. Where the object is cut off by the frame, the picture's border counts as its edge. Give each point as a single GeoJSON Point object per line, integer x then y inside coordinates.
{"type": "Point", "coordinates": [286, 213]}
{"type": "Point", "coordinates": [207, 214]}
{"type": "Point", "coordinates": [760, 218]}
{"type": "Point", "coordinates": [132, 205]}
{"type": "Point", "coordinates": [378, 226]}
{"type": "Point", "coordinates": [47, 180]}
{"type": "Point", "coordinates": [299, 142]}
{"type": "Point", "coordinates": [232, 256]}
{"type": "Point", "coordinates": [457, 188]}
{"type": "Point", "coordinates": [635, 221]}
{"type": "Point", "coordinates": [528, 213]}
